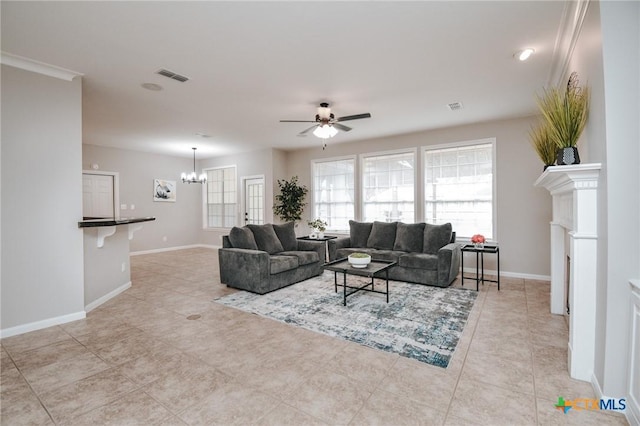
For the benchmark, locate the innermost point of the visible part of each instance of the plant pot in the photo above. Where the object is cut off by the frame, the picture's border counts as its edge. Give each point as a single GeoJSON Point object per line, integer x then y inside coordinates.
{"type": "Point", "coordinates": [359, 262]}
{"type": "Point", "coordinates": [568, 156]}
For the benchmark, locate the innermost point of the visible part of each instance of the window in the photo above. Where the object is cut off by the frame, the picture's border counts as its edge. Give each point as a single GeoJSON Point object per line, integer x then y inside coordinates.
{"type": "Point", "coordinates": [458, 187]}
{"type": "Point", "coordinates": [221, 197]}
{"type": "Point", "coordinates": [388, 187]}
{"type": "Point", "coordinates": [333, 192]}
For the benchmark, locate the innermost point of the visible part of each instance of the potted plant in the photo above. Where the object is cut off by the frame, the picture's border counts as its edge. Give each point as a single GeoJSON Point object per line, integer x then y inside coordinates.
{"type": "Point", "coordinates": [319, 225]}
{"type": "Point", "coordinates": [566, 111]}
{"type": "Point", "coordinates": [544, 146]}
{"type": "Point", "coordinates": [359, 260]}
{"type": "Point", "coordinates": [290, 202]}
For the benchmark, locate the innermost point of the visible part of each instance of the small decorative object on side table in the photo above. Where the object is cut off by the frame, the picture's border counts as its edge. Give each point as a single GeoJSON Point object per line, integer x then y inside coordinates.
{"type": "Point", "coordinates": [478, 240]}
{"type": "Point", "coordinates": [480, 251]}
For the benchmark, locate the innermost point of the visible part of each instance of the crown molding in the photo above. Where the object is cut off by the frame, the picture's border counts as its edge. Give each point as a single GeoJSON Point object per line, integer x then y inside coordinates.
{"type": "Point", "coordinates": [38, 67]}
{"type": "Point", "coordinates": [566, 39]}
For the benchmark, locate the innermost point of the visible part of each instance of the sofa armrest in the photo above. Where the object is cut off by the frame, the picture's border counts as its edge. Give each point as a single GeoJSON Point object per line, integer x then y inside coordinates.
{"type": "Point", "coordinates": [336, 244]}
{"type": "Point", "coordinates": [317, 246]}
{"type": "Point", "coordinates": [243, 265]}
{"type": "Point", "coordinates": [448, 263]}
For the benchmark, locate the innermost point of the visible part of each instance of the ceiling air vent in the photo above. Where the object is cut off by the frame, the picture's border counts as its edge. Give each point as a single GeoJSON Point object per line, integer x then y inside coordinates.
{"type": "Point", "coordinates": [172, 75]}
{"type": "Point", "coordinates": [455, 106]}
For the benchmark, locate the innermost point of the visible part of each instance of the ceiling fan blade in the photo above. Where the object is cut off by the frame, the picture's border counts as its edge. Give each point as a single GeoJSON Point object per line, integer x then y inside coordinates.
{"type": "Point", "coordinates": [341, 127]}
{"type": "Point", "coordinates": [304, 132]}
{"type": "Point", "coordinates": [297, 121]}
{"type": "Point", "coordinates": [354, 117]}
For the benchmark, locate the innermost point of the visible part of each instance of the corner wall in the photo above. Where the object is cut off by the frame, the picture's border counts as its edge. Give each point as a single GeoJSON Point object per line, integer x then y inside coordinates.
{"type": "Point", "coordinates": [42, 258]}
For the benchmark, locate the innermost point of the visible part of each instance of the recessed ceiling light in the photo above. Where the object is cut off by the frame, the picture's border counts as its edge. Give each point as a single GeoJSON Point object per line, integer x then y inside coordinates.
{"type": "Point", "coordinates": [455, 106]}
{"type": "Point", "coordinates": [523, 55]}
{"type": "Point", "coordinates": [152, 86]}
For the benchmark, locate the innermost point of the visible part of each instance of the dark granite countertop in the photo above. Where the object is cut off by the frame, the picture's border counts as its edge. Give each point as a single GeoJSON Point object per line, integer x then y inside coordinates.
{"type": "Point", "coordinates": [92, 223]}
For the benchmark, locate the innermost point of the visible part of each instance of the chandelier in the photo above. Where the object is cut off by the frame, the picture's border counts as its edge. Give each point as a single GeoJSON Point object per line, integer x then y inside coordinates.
{"type": "Point", "coordinates": [193, 177]}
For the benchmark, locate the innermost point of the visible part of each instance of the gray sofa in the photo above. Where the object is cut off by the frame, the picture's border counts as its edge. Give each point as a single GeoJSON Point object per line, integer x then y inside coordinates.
{"type": "Point", "coordinates": [264, 258]}
{"type": "Point", "coordinates": [426, 254]}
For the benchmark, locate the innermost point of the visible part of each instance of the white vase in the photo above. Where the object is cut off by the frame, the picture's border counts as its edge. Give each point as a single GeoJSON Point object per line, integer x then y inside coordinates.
{"type": "Point", "coordinates": [320, 234]}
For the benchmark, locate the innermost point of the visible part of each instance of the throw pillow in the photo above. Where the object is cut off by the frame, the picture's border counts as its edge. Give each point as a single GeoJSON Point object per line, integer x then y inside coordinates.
{"type": "Point", "coordinates": [266, 238]}
{"type": "Point", "coordinates": [409, 237]}
{"type": "Point", "coordinates": [287, 236]}
{"type": "Point", "coordinates": [383, 235]}
{"type": "Point", "coordinates": [436, 237]}
{"type": "Point", "coordinates": [359, 233]}
{"type": "Point", "coordinates": [242, 238]}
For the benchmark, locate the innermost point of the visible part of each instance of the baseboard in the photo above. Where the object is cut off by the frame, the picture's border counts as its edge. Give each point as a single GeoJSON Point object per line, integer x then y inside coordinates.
{"type": "Point", "coordinates": [509, 274]}
{"type": "Point", "coordinates": [628, 413]}
{"type": "Point", "coordinates": [91, 306]}
{"type": "Point", "coordinates": [160, 250]}
{"type": "Point", "coordinates": [39, 325]}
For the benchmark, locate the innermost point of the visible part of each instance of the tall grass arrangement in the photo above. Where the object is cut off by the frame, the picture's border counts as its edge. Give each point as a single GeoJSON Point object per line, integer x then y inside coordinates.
{"type": "Point", "coordinates": [540, 137]}
{"type": "Point", "coordinates": [566, 112]}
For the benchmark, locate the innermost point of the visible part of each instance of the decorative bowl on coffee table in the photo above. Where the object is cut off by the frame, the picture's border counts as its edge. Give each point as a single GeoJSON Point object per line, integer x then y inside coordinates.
{"type": "Point", "coordinates": [359, 260]}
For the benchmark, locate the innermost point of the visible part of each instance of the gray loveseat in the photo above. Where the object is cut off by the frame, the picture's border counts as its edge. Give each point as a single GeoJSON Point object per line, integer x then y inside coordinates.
{"type": "Point", "coordinates": [426, 254]}
{"type": "Point", "coordinates": [263, 258]}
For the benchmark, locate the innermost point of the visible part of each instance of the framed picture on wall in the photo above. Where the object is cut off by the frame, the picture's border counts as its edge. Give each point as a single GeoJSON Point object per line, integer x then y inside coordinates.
{"type": "Point", "coordinates": [164, 190]}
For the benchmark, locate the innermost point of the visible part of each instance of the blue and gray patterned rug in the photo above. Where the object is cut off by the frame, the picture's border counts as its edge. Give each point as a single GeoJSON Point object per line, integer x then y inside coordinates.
{"type": "Point", "coordinates": [419, 322]}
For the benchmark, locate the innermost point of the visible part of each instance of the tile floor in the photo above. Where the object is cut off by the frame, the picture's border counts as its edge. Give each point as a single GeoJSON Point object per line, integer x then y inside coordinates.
{"type": "Point", "coordinates": [139, 359]}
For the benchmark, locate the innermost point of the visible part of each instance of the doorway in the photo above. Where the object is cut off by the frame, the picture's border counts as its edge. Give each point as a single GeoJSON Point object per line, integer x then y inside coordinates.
{"type": "Point", "coordinates": [99, 195]}
{"type": "Point", "coordinates": [254, 200]}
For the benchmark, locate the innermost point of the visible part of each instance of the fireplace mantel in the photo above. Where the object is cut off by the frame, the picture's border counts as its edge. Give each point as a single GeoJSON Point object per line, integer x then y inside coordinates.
{"type": "Point", "coordinates": [574, 190]}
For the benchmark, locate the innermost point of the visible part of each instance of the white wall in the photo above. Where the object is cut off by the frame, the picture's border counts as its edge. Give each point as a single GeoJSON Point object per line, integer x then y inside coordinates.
{"type": "Point", "coordinates": [523, 212]}
{"type": "Point", "coordinates": [179, 222]}
{"type": "Point", "coordinates": [607, 57]}
{"type": "Point", "coordinates": [42, 258]}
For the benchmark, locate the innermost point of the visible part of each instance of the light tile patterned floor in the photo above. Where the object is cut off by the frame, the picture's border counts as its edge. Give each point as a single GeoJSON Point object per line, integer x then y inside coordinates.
{"type": "Point", "coordinates": [138, 360]}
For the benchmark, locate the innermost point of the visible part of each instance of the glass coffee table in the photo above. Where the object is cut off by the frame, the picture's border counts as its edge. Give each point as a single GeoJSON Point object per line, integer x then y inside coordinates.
{"type": "Point", "coordinates": [373, 268]}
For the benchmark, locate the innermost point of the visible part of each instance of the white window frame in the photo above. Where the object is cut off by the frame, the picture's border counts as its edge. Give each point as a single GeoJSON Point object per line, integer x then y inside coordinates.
{"type": "Point", "coordinates": [494, 199]}
{"type": "Point", "coordinates": [205, 212]}
{"type": "Point", "coordinates": [416, 175]}
{"type": "Point", "coordinates": [356, 191]}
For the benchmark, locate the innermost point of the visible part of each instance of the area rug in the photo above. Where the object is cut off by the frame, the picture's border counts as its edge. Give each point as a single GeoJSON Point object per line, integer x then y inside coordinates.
{"type": "Point", "coordinates": [419, 322]}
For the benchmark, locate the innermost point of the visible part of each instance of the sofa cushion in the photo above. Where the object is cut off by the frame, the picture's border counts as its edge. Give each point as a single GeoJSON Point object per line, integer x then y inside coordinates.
{"type": "Point", "coordinates": [304, 257]}
{"type": "Point", "coordinates": [287, 236]}
{"type": "Point", "coordinates": [388, 255]}
{"type": "Point", "coordinates": [279, 263]}
{"type": "Point", "coordinates": [435, 237]}
{"type": "Point", "coordinates": [242, 238]}
{"type": "Point", "coordinates": [419, 261]}
{"type": "Point", "coordinates": [266, 238]}
{"type": "Point", "coordinates": [383, 235]}
{"type": "Point", "coordinates": [409, 237]}
{"type": "Point", "coordinates": [359, 233]}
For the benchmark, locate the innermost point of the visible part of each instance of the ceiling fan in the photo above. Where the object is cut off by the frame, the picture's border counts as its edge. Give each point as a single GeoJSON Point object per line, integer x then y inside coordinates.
{"type": "Point", "coordinates": [326, 124]}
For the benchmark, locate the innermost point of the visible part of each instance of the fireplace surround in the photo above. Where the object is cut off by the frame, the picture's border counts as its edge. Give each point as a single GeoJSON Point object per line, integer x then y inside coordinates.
{"type": "Point", "coordinates": [574, 191]}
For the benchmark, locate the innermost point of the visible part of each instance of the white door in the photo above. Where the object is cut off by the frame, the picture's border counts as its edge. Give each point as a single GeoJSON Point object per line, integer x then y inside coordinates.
{"type": "Point", "coordinates": [97, 196]}
{"type": "Point", "coordinates": [254, 201]}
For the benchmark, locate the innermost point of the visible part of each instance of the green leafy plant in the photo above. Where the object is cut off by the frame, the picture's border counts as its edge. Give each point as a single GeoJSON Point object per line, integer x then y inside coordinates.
{"type": "Point", "coordinates": [565, 111]}
{"type": "Point", "coordinates": [290, 202]}
{"type": "Point", "coordinates": [544, 145]}
{"type": "Point", "coordinates": [359, 255]}
{"type": "Point", "coordinates": [318, 224]}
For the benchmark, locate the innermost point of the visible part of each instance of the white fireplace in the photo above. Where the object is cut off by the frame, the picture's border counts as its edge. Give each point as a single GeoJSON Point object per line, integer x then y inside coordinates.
{"type": "Point", "coordinates": [574, 235]}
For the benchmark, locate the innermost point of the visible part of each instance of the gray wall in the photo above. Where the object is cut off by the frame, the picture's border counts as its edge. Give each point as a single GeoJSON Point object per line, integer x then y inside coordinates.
{"type": "Point", "coordinates": [42, 258]}
{"type": "Point", "coordinates": [607, 56]}
{"type": "Point", "coordinates": [179, 222]}
{"type": "Point", "coordinates": [523, 212]}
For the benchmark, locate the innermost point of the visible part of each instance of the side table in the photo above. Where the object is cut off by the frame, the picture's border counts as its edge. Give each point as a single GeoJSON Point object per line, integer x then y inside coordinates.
{"type": "Point", "coordinates": [325, 239]}
{"type": "Point", "coordinates": [480, 252]}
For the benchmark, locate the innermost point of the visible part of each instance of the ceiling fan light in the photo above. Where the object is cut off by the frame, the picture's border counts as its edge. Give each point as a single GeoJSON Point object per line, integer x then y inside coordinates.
{"type": "Point", "coordinates": [325, 131]}
{"type": "Point", "coordinates": [324, 112]}
{"type": "Point", "coordinates": [332, 131]}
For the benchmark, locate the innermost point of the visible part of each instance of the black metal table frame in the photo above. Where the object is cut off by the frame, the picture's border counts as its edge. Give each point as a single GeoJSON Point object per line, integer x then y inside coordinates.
{"type": "Point", "coordinates": [491, 249]}
{"type": "Point", "coordinates": [361, 272]}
